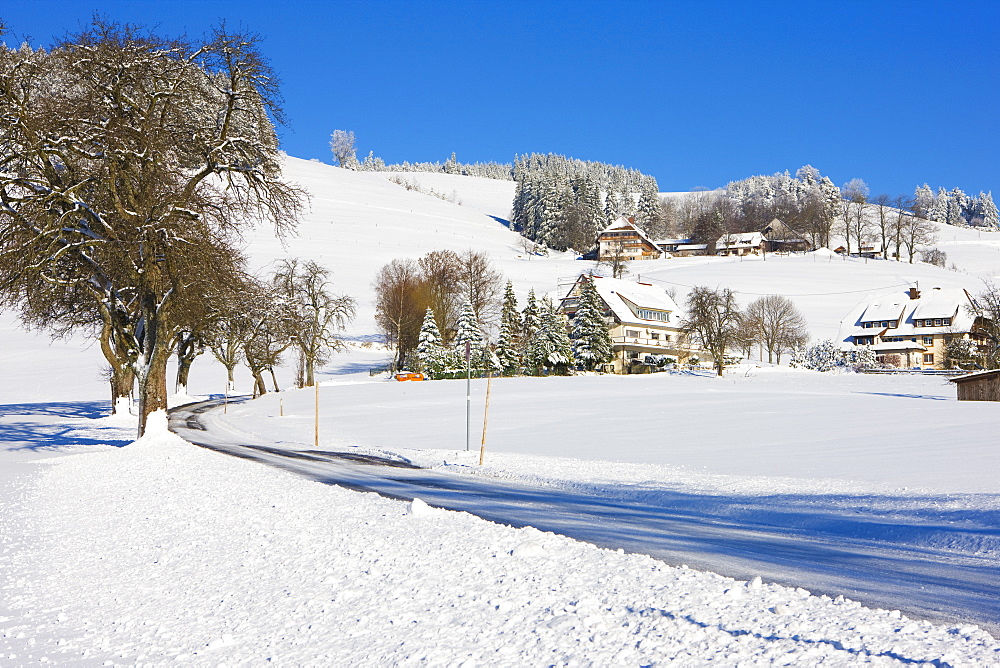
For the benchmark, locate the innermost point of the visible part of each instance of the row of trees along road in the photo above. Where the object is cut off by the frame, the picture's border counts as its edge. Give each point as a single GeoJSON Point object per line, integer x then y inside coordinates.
{"type": "Point", "coordinates": [771, 322]}
{"type": "Point", "coordinates": [129, 163]}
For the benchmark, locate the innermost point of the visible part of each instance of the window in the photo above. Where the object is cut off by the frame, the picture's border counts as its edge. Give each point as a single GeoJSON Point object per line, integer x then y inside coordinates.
{"type": "Point", "coordinates": [885, 323]}
{"type": "Point", "coordinates": [634, 333]}
{"type": "Point", "coordinates": [929, 358]}
{"type": "Point", "coordinates": [894, 324]}
{"type": "Point", "coordinates": [928, 340]}
{"type": "Point", "coordinates": [655, 336]}
{"type": "Point", "coordinates": [946, 322]}
{"type": "Point", "coordinates": [649, 314]}
{"type": "Point", "coordinates": [937, 322]}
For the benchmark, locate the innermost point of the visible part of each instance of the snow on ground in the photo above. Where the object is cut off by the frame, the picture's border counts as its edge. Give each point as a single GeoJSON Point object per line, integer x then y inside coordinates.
{"type": "Point", "coordinates": [360, 221]}
{"type": "Point", "coordinates": [160, 552]}
{"type": "Point", "coordinates": [768, 427]}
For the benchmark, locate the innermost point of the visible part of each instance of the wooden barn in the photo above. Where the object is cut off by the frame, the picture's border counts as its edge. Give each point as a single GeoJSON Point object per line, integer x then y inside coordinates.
{"type": "Point", "coordinates": [980, 386]}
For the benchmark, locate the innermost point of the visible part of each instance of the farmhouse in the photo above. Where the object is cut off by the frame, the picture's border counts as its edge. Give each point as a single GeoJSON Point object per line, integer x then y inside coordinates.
{"type": "Point", "coordinates": [775, 237]}
{"type": "Point", "coordinates": [911, 328]}
{"type": "Point", "coordinates": [781, 238]}
{"type": "Point", "coordinates": [643, 322]}
{"type": "Point", "coordinates": [624, 240]}
{"type": "Point", "coordinates": [745, 243]}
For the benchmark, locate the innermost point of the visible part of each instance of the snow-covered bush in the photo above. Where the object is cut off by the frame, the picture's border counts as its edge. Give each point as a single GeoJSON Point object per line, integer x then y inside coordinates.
{"type": "Point", "coordinates": [826, 356]}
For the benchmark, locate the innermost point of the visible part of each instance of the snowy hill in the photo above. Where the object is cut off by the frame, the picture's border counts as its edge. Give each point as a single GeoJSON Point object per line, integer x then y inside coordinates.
{"type": "Point", "coordinates": [361, 220]}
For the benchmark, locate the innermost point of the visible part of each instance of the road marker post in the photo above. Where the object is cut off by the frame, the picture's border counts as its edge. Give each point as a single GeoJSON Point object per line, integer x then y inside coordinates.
{"type": "Point", "coordinates": [486, 418]}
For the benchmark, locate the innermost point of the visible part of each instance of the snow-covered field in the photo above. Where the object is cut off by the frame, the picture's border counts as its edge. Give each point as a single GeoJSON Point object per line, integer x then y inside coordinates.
{"type": "Point", "coordinates": [160, 551]}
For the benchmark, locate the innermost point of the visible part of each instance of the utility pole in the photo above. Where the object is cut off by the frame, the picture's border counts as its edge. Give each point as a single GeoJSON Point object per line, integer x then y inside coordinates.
{"type": "Point", "coordinates": [468, 393]}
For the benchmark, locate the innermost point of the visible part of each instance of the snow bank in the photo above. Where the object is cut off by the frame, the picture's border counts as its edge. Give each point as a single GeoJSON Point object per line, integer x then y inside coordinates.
{"type": "Point", "coordinates": [168, 552]}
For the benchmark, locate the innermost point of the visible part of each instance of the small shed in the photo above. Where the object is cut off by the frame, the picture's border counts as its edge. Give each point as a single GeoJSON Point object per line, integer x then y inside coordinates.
{"type": "Point", "coordinates": [979, 386]}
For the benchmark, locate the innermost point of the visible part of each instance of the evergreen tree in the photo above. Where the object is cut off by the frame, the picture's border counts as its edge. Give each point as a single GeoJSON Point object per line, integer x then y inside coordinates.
{"type": "Point", "coordinates": [649, 212]}
{"type": "Point", "coordinates": [508, 348]}
{"type": "Point", "coordinates": [611, 207]}
{"type": "Point", "coordinates": [531, 321]}
{"type": "Point", "coordinates": [923, 200]}
{"type": "Point", "coordinates": [988, 210]}
{"type": "Point", "coordinates": [469, 331]}
{"type": "Point", "coordinates": [550, 350]}
{"type": "Point", "coordinates": [939, 210]}
{"type": "Point", "coordinates": [591, 344]}
{"type": "Point", "coordinates": [432, 355]}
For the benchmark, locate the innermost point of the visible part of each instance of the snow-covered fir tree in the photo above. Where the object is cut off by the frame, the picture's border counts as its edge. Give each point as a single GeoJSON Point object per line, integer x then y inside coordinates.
{"type": "Point", "coordinates": [923, 200]}
{"type": "Point", "coordinates": [531, 320]}
{"type": "Point", "coordinates": [591, 343]}
{"type": "Point", "coordinates": [469, 331]}
{"type": "Point", "coordinates": [988, 210]}
{"type": "Point", "coordinates": [611, 207]}
{"type": "Point", "coordinates": [433, 356]}
{"type": "Point", "coordinates": [550, 350]}
{"type": "Point", "coordinates": [649, 211]}
{"type": "Point", "coordinates": [508, 347]}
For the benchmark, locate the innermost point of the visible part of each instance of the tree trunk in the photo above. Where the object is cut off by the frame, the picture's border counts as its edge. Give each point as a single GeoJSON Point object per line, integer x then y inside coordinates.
{"type": "Point", "coordinates": [152, 372]}
{"type": "Point", "coordinates": [121, 379]}
{"type": "Point", "coordinates": [152, 389]}
{"type": "Point", "coordinates": [230, 378]}
{"type": "Point", "coordinates": [274, 379]}
{"type": "Point", "coordinates": [183, 372]}
{"type": "Point", "coordinates": [259, 388]}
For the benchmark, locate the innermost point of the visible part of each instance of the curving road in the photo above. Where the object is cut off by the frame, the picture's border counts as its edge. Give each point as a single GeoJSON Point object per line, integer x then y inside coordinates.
{"type": "Point", "coordinates": [831, 556]}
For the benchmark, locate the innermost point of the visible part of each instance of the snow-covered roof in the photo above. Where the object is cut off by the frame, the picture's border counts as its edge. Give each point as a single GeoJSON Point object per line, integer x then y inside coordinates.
{"type": "Point", "coordinates": [889, 308]}
{"type": "Point", "coordinates": [623, 223]}
{"type": "Point", "coordinates": [897, 306]}
{"type": "Point", "coordinates": [938, 304]}
{"type": "Point", "coordinates": [743, 240]}
{"type": "Point", "coordinates": [625, 298]}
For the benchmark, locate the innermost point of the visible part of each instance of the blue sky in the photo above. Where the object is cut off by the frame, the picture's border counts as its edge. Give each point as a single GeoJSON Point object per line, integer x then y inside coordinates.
{"type": "Point", "coordinates": [695, 93]}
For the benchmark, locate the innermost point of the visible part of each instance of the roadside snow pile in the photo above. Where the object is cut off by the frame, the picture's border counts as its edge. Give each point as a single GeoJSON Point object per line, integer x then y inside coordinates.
{"type": "Point", "coordinates": [162, 551]}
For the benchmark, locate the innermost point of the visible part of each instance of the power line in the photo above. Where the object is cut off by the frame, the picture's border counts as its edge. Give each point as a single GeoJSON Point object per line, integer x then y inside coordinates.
{"type": "Point", "coordinates": [805, 294]}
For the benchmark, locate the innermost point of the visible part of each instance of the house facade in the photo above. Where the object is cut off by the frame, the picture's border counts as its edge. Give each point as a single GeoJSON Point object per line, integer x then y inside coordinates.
{"type": "Point", "coordinates": [781, 238]}
{"type": "Point", "coordinates": [911, 328]}
{"type": "Point", "coordinates": [744, 243]}
{"type": "Point", "coordinates": [775, 237]}
{"type": "Point", "coordinates": [643, 322]}
{"type": "Point", "coordinates": [626, 241]}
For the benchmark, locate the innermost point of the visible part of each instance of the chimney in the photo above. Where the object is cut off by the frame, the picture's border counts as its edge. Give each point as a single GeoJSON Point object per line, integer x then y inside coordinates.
{"type": "Point", "coordinates": [914, 293]}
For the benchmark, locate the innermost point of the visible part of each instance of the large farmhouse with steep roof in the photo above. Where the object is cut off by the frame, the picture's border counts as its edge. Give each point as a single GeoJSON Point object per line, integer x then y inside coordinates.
{"type": "Point", "coordinates": [911, 328]}
{"type": "Point", "coordinates": [624, 240]}
{"type": "Point", "coordinates": [643, 322]}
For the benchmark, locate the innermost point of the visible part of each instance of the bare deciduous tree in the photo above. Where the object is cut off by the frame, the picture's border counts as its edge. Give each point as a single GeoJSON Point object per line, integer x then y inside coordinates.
{"type": "Point", "coordinates": [480, 284]}
{"type": "Point", "coordinates": [713, 321]}
{"type": "Point", "coordinates": [615, 259]}
{"type": "Point", "coordinates": [916, 234]}
{"type": "Point", "coordinates": [776, 324]}
{"type": "Point", "coordinates": [400, 304]}
{"type": "Point", "coordinates": [441, 271]}
{"type": "Point", "coordinates": [130, 164]}
{"type": "Point", "coordinates": [317, 313]}
{"type": "Point", "coordinates": [884, 222]}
